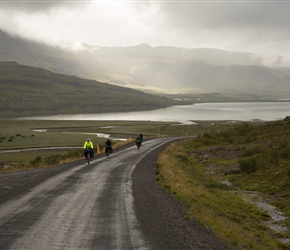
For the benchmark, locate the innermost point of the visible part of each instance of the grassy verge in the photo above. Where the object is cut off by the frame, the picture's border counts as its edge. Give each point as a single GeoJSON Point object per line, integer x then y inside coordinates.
{"type": "Point", "coordinates": [212, 174]}
{"type": "Point", "coordinates": [44, 158]}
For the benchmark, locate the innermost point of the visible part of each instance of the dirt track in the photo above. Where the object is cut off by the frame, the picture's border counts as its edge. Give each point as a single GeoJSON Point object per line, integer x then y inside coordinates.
{"type": "Point", "coordinates": [114, 203]}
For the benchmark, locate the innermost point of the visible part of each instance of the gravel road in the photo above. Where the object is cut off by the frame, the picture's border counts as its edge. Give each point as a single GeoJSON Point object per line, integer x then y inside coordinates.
{"type": "Point", "coordinates": [113, 203]}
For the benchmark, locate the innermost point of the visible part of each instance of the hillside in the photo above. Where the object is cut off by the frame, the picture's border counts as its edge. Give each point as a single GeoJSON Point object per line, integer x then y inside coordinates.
{"type": "Point", "coordinates": [236, 181]}
{"type": "Point", "coordinates": [30, 91]}
{"type": "Point", "coordinates": [160, 69]}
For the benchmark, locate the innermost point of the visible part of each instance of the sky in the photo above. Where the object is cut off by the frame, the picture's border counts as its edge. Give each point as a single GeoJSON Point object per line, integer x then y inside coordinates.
{"type": "Point", "coordinates": [248, 26]}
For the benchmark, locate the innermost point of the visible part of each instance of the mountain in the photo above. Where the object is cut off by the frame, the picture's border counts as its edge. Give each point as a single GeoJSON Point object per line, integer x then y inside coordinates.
{"type": "Point", "coordinates": [159, 69]}
{"type": "Point", "coordinates": [30, 91]}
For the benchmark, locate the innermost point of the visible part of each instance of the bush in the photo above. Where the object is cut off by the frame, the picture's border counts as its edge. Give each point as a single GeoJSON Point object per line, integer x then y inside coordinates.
{"type": "Point", "coordinates": [252, 150]}
{"type": "Point", "coordinates": [36, 161]}
{"type": "Point", "coordinates": [273, 156]}
{"type": "Point", "coordinates": [248, 165]}
{"type": "Point", "coordinates": [52, 159]}
{"type": "Point", "coordinates": [285, 153]}
{"type": "Point", "coordinates": [284, 144]}
{"type": "Point", "coordinates": [218, 185]}
{"type": "Point", "coordinates": [207, 135]}
{"type": "Point", "coordinates": [183, 158]}
{"type": "Point", "coordinates": [243, 129]}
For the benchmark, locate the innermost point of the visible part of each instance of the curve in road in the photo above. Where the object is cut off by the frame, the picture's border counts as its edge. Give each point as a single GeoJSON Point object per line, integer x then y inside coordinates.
{"type": "Point", "coordinates": [80, 206]}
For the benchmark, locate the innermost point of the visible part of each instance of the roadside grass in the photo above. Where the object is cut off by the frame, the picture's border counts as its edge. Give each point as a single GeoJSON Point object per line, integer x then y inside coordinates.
{"type": "Point", "coordinates": [211, 175]}
{"type": "Point", "coordinates": [44, 158]}
{"type": "Point", "coordinates": [27, 156]}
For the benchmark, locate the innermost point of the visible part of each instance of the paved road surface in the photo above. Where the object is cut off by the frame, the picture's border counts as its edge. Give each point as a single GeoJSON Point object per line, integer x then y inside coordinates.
{"type": "Point", "coordinates": [96, 206]}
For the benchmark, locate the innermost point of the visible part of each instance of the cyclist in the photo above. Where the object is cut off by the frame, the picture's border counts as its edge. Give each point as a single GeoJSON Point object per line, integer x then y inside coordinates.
{"type": "Point", "coordinates": [109, 146]}
{"type": "Point", "coordinates": [88, 148]}
{"type": "Point", "coordinates": [139, 140]}
{"type": "Point", "coordinates": [141, 136]}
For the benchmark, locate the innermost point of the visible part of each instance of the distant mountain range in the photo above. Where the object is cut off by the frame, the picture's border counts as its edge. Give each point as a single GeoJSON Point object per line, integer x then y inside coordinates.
{"type": "Point", "coordinates": [168, 70]}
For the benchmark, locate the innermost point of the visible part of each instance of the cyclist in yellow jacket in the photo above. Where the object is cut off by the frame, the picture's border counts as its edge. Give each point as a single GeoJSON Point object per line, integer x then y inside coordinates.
{"type": "Point", "coordinates": [88, 148]}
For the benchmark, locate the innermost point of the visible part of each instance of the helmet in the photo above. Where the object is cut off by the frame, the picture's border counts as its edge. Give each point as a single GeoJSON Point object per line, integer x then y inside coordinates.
{"type": "Point", "coordinates": [108, 139]}
{"type": "Point", "coordinates": [140, 134]}
{"type": "Point", "coordinates": [88, 139]}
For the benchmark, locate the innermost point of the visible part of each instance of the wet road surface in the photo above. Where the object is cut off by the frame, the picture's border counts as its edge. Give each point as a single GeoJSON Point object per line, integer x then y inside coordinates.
{"type": "Point", "coordinates": [83, 207]}
{"type": "Point", "coordinates": [113, 203]}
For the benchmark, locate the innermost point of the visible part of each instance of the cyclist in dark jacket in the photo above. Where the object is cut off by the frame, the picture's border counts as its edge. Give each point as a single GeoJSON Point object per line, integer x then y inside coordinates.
{"type": "Point", "coordinates": [109, 146]}
{"type": "Point", "coordinates": [139, 140]}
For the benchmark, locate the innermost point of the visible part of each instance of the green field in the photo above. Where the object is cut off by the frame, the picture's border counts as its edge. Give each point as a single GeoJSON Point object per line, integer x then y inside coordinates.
{"type": "Point", "coordinates": [23, 134]}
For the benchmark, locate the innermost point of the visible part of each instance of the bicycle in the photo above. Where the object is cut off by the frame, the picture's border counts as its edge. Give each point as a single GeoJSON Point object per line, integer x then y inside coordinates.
{"type": "Point", "coordinates": [138, 144]}
{"type": "Point", "coordinates": [88, 155]}
{"type": "Point", "coordinates": [108, 150]}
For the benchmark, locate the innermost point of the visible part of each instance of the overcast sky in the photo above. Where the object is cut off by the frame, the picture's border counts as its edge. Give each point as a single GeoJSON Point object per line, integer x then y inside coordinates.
{"type": "Point", "coordinates": [252, 26]}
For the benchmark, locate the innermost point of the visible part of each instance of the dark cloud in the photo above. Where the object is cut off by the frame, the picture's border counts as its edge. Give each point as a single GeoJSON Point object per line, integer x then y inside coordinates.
{"type": "Point", "coordinates": [233, 25]}
{"type": "Point", "coordinates": [219, 15]}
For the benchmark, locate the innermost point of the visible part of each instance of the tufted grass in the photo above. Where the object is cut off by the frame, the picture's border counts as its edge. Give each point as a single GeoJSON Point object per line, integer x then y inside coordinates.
{"type": "Point", "coordinates": [213, 173]}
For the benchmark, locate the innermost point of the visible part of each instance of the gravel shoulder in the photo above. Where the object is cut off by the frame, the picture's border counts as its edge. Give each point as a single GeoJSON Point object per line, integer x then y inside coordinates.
{"type": "Point", "coordinates": [162, 217]}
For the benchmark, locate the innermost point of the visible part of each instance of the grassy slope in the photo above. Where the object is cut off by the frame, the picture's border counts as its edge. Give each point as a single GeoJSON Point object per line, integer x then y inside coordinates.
{"type": "Point", "coordinates": [255, 159]}
{"type": "Point", "coordinates": [29, 91]}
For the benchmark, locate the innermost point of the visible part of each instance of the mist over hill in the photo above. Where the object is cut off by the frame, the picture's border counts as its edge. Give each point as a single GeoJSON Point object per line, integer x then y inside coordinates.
{"type": "Point", "coordinates": [31, 91]}
{"type": "Point", "coordinates": [159, 69]}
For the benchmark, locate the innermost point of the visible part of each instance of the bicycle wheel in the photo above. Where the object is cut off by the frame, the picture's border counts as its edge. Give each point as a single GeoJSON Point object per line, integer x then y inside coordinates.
{"type": "Point", "coordinates": [88, 157]}
{"type": "Point", "coordinates": [107, 151]}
